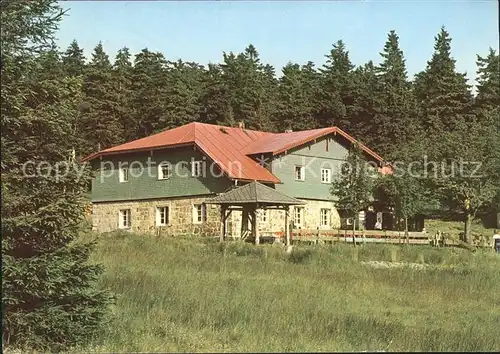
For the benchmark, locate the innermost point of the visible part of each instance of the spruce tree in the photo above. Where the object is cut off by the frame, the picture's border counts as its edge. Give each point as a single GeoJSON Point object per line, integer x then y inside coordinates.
{"type": "Point", "coordinates": [488, 87]}
{"type": "Point", "coordinates": [122, 84]}
{"type": "Point", "coordinates": [395, 122]}
{"type": "Point", "coordinates": [149, 83]}
{"type": "Point", "coordinates": [363, 126]}
{"type": "Point", "coordinates": [297, 92]}
{"type": "Point", "coordinates": [216, 98]}
{"type": "Point", "coordinates": [337, 96]}
{"type": "Point", "coordinates": [182, 94]}
{"type": "Point", "coordinates": [49, 297]}
{"type": "Point", "coordinates": [487, 103]}
{"type": "Point", "coordinates": [100, 127]}
{"type": "Point", "coordinates": [442, 94]}
{"type": "Point", "coordinates": [73, 60]}
{"type": "Point", "coordinates": [253, 88]}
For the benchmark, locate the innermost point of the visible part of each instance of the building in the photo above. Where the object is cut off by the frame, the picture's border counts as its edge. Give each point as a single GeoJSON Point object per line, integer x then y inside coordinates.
{"type": "Point", "coordinates": [159, 184]}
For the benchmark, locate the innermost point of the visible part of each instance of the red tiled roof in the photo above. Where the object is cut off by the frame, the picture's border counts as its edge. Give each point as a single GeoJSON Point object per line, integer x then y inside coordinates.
{"type": "Point", "coordinates": [278, 143]}
{"type": "Point", "coordinates": [229, 147]}
{"type": "Point", "coordinates": [221, 144]}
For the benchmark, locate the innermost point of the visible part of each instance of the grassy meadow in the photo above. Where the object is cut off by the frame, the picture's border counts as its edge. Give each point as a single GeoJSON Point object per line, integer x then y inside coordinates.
{"type": "Point", "coordinates": [196, 295]}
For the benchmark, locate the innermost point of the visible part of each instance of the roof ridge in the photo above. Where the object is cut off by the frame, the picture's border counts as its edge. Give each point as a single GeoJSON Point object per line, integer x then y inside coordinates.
{"type": "Point", "coordinates": [230, 127]}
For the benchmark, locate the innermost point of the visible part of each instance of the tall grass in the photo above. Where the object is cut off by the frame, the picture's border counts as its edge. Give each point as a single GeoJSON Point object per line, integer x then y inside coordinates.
{"type": "Point", "coordinates": [181, 294]}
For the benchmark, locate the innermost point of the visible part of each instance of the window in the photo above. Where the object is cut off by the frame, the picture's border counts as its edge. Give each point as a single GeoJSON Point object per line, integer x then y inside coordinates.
{"type": "Point", "coordinates": [264, 216]}
{"type": "Point", "coordinates": [325, 217]}
{"type": "Point", "coordinates": [326, 175]}
{"type": "Point", "coordinates": [164, 170]}
{"type": "Point", "coordinates": [199, 213]}
{"type": "Point", "coordinates": [124, 219]}
{"type": "Point", "coordinates": [299, 173]}
{"type": "Point", "coordinates": [162, 216]}
{"type": "Point", "coordinates": [123, 174]}
{"type": "Point", "coordinates": [298, 216]}
{"type": "Point", "coordinates": [196, 169]}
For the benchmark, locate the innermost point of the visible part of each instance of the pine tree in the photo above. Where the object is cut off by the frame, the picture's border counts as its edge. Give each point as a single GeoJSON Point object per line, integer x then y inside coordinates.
{"type": "Point", "coordinates": [337, 88]}
{"type": "Point", "coordinates": [73, 60]}
{"type": "Point", "coordinates": [100, 126]}
{"type": "Point", "coordinates": [49, 297]}
{"type": "Point", "coordinates": [395, 122]}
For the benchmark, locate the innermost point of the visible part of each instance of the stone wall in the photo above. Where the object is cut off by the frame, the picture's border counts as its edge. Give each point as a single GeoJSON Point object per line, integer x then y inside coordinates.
{"type": "Point", "coordinates": [105, 216]}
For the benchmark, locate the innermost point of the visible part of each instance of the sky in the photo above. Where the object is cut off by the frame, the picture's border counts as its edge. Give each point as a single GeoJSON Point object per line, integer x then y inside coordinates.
{"type": "Point", "coordinates": [283, 31]}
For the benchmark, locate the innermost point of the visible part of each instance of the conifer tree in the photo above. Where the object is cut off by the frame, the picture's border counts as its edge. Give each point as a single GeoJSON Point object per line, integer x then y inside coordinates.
{"type": "Point", "coordinates": [362, 116]}
{"type": "Point", "coordinates": [122, 85]}
{"type": "Point", "coordinates": [149, 83]}
{"type": "Point", "coordinates": [100, 126]}
{"type": "Point", "coordinates": [488, 88]}
{"type": "Point", "coordinates": [395, 122]}
{"type": "Point", "coordinates": [442, 94]}
{"type": "Point", "coordinates": [488, 101]}
{"type": "Point", "coordinates": [252, 86]}
{"type": "Point", "coordinates": [297, 92]}
{"type": "Point", "coordinates": [49, 297]}
{"type": "Point", "coordinates": [337, 96]}
{"type": "Point", "coordinates": [216, 98]}
{"type": "Point", "coordinates": [73, 60]}
{"type": "Point", "coordinates": [182, 94]}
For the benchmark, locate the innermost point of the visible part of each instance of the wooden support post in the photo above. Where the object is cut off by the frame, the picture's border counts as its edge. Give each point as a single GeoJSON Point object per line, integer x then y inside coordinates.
{"type": "Point", "coordinates": [222, 223]}
{"type": "Point", "coordinates": [287, 228]}
{"type": "Point", "coordinates": [255, 231]}
{"type": "Point", "coordinates": [244, 221]}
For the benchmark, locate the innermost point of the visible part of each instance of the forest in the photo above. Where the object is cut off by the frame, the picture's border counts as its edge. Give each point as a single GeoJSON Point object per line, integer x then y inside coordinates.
{"type": "Point", "coordinates": [57, 105]}
{"type": "Point", "coordinates": [124, 96]}
{"type": "Point", "coordinates": [437, 116]}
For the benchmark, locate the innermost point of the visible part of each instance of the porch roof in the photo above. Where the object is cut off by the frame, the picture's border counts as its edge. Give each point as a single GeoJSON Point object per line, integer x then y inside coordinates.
{"type": "Point", "coordinates": [254, 193]}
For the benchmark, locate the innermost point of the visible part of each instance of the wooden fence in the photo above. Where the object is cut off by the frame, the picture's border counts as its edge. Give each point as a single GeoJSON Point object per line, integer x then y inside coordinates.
{"type": "Point", "coordinates": [360, 236]}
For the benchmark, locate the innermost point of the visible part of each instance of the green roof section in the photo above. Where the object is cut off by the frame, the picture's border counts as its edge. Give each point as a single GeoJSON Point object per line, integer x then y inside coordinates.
{"type": "Point", "coordinates": [254, 192]}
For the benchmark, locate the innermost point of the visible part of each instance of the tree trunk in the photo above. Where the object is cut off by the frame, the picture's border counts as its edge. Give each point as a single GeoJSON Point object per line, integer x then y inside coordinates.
{"type": "Point", "coordinates": [468, 223]}
{"type": "Point", "coordinates": [407, 236]}
{"type": "Point", "coordinates": [354, 230]}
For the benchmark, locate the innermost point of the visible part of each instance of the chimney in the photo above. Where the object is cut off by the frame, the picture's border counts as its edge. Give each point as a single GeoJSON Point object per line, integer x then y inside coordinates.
{"type": "Point", "coordinates": [288, 130]}
{"type": "Point", "coordinates": [241, 124]}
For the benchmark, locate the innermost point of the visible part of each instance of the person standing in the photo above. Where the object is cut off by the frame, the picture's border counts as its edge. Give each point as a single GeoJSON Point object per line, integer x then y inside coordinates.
{"type": "Point", "coordinates": [496, 241]}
